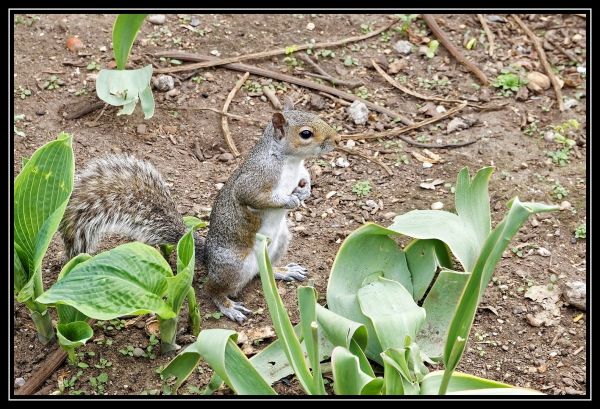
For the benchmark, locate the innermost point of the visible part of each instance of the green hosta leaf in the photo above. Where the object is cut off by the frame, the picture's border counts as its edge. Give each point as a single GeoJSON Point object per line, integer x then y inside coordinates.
{"type": "Point", "coordinates": [129, 279]}
{"type": "Point", "coordinates": [41, 193]}
{"type": "Point", "coordinates": [74, 334]}
{"type": "Point", "coordinates": [125, 88]}
{"type": "Point", "coordinates": [218, 347]}
{"type": "Point", "coordinates": [125, 30]}
{"type": "Point", "coordinates": [20, 274]}
{"type": "Point", "coordinates": [403, 369]}
{"type": "Point", "coordinates": [179, 285]}
{"type": "Point", "coordinates": [192, 222]}
{"type": "Point", "coordinates": [348, 378]}
{"type": "Point", "coordinates": [440, 304]}
{"type": "Point", "coordinates": [461, 383]}
{"type": "Point", "coordinates": [392, 311]}
{"type": "Point", "coordinates": [66, 313]}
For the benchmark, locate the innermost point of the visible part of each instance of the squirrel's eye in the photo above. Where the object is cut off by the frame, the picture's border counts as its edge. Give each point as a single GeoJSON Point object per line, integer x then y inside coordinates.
{"type": "Point", "coordinates": [305, 134]}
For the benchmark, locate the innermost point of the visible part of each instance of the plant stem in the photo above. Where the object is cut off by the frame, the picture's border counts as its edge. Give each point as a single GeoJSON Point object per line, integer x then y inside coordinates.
{"type": "Point", "coordinates": [168, 332]}
{"type": "Point", "coordinates": [43, 326]}
{"type": "Point", "coordinates": [193, 312]}
{"type": "Point", "coordinates": [445, 382]}
{"type": "Point", "coordinates": [71, 355]}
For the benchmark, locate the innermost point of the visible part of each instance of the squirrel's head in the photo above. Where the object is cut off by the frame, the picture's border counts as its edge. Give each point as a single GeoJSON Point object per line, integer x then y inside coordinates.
{"type": "Point", "coordinates": [303, 134]}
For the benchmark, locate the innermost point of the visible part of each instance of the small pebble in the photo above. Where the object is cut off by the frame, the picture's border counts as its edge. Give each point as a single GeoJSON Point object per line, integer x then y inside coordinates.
{"type": "Point", "coordinates": [157, 19]}
{"type": "Point", "coordinates": [389, 215]}
{"type": "Point", "coordinates": [19, 382]}
{"type": "Point", "coordinates": [219, 186]}
{"type": "Point", "coordinates": [565, 205]}
{"type": "Point", "coordinates": [195, 22]}
{"type": "Point", "coordinates": [225, 157]}
{"type": "Point", "coordinates": [298, 217]}
{"type": "Point", "coordinates": [574, 293]}
{"type": "Point", "coordinates": [342, 162]}
{"type": "Point", "coordinates": [359, 112]}
{"type": "Point", "coordinates": [310, 26]}
{"type": "Point", "coordinates": [141, 129]}
{"type": "Point", "coordinates": [164, 83]}
{"type": "Point", "coordinates": [138, 352]}
{"type": "Point", "coordinates": [403, 47]}
{"type": "Point", "coordinates": [437, 206]}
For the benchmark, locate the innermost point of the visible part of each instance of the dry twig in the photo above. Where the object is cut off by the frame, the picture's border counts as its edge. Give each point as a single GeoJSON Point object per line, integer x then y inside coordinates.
{"type": "Point", "coordinates": [292, 80]}
{"type": "Point", "coordinates": [270, 94]}
{"type": "Point", "coordinates": [540, 50]}
{"type": "Point", "coordinates": [488, 33]}
{"type": "Point", "coordinates": [262, 54]}
{"type": "Point", "coordinates": [401, 131]}
{"type": "Point", "coordinates": [325, 75]}
{"type": "Point", "coordinates": [407, 90]}
{"type": "Point", "coordinates": [224, 123]}
{"type": "Point", "coordinates": [46, 369]}
{"type": "Point", "coordinates": [440, 35]}
{"type": "Point", "coordinates": [365, 156]}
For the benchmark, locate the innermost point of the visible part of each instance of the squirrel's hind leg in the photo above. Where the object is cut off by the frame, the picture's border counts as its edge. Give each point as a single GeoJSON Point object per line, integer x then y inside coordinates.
{"type": "Point", "coordinates": [234, 310]}
{"type": "Point", "coordinates": [291, 272]}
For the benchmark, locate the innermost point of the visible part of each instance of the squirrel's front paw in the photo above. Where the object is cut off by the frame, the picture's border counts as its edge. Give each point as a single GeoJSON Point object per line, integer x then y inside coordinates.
{"type": "Point", "coordinates": [293, 202]}
{"type": "Point", "coordinates": [302, 191]}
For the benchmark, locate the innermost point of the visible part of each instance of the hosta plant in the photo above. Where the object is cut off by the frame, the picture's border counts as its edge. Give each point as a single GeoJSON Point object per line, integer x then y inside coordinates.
{"type": "Point", "coordinates": [131, 279]}
{"type": "Point", "coordinates": [41, 193]}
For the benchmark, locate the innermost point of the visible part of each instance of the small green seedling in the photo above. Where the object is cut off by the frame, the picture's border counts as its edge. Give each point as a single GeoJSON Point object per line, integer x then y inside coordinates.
{"type": "Point", "coordinates": [93, 66]}
{"type": "Point", "coordinates": [127, 351]}
{"type": "Point", "coordinates": [366, 28]}
{"type": "Point", "coordinates": [362, 92]}
{"type": "Point", "coordinates": [99, 382]}
{"type": "Point", "coordinates": [560, 157]}
{"type": "Point", "coordinates": [580, 231]}
{"type": "Point", "coordinates": [103, 363]}
{"type": "Point", "coordinates": [362, 188]}
{"type": "Point", "coordinates": [508, 83]}
{"type": "Point", "coordinates": [52, 83]}
{"type": "Point", "coordinates": [432, 48]}
{"type": "Point", "coordinates": [558, 191]}
{"type": "Point", "coordinates": [349, 61]}
{"type": "Point", "coordinates": [24, 92]}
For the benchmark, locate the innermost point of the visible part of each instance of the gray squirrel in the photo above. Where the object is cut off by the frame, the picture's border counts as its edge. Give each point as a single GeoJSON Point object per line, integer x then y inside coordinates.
{"type": "Point", "coordinates": [124, 195]}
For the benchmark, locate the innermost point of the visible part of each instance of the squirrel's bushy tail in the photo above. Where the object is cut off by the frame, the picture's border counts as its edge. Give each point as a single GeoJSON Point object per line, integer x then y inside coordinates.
{"type": "Point", "coordinates": [119, 194]}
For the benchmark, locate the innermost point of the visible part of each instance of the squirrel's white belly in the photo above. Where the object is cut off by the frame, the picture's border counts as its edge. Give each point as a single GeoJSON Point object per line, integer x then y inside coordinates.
{"type": "Point", "coordinates": [274, 221]}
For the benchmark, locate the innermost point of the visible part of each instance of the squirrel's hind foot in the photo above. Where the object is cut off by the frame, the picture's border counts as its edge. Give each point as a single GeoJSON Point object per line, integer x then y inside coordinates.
{"type": "Point", "coordinates": [291, 272]}
{"type": "Point", "coordinates": [234, 310]}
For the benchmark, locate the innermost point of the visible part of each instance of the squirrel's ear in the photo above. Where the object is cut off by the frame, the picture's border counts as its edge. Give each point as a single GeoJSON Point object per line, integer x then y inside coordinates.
{"type": "Point", "coordinates": [278, 124]}
{"type": "Point", "coordinates": [288, 103]}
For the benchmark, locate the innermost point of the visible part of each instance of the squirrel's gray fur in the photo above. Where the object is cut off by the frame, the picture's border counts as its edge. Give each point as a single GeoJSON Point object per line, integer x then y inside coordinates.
{"type": "Point", "coordinates": [124, 195]}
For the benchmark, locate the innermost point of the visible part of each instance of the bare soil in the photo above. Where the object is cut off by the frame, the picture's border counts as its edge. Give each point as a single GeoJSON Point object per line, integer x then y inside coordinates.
{"type": "Point", "coordinates": [504, 346]}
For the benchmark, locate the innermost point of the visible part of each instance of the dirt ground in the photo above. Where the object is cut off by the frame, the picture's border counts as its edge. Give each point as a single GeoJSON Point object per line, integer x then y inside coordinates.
{"type": "Point", "coordinates": [515, 139]}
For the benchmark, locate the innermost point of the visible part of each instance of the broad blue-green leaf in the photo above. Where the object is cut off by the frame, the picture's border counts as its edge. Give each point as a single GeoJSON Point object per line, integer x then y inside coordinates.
{"type": "Point", "coordinates": [392, 311]}
{"type": "Point", "coordinates": [218, 348]}
{"type": "Point", "coordinates": [440, 304]}
{"type": "Point", "coordinates": [461, 383]}
{"type": "Point", "coordinates": [348, 378]}
{"type": "Point", "coordinates": [125, 30]}
{"type": "Point", "coordinates": [423, 258]}
{"type": "Point", "coordinates": [129, 279]}
{"type": "Point", "coordinates": [125, 88]}
{"type": "Point", "coordinates": [463, 233]}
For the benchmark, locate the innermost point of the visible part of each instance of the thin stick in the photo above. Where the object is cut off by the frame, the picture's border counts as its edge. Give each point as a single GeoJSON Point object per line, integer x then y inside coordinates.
{"type": "Point", "coordinates": [560, 48]}
{"type": "Point", "coordinates": [227, 114]}
{"type": "Point", "coordinates": [270, 94]}
{"type": "Point", "coordinates": [336, 99]}
{"type": "Point", "coordinates": [437, 31]}
{"type": "Point", "coordinates": [540, 50]}
{"type": "Point", "coordinates": [224, 124]}
{"type": "Point", "coordinates": [399, 132]}
{"type": "Point", "coordinates": [488, 33]}
{"type": "Point", "coordinates": [262, 54]}
{"type": "Point", "coordinates": [292, 80]}
{"type": "Point", "coordinates": [85, 110]}
{"type": "Point", "coordinates": [325, 75]}
{"type": "Point", "coordinates": [46, 369]}
{"type": "Point", "coordinates": [365, 156]}
{"type": "Point", "coordinates": [402, 88]}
